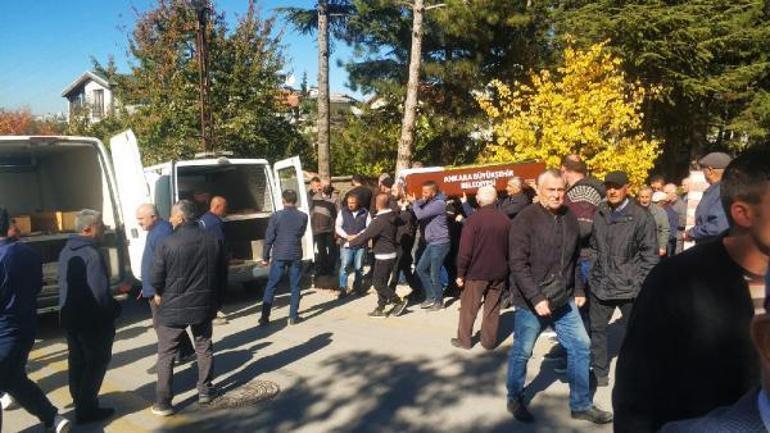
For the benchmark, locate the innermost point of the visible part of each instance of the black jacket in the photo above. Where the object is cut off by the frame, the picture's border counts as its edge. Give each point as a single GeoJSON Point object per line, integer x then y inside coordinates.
{"type": "Point", "coordinates": [382, 230]}
{"type": "Point", "coordinates": [687, 348]}
{"type": "Point", "coordinates": [512, 205]}
{"type": "Point", "coordinates": [535, 243]}
{"type": "Point", "coordinates": [190, 275]}
{"type": "Point", "coordinates": [624, 250]}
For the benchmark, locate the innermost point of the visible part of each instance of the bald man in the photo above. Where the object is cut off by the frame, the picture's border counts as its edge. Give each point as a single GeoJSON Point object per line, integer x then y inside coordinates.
{"type": "Point", "coordinates": [211, 221]}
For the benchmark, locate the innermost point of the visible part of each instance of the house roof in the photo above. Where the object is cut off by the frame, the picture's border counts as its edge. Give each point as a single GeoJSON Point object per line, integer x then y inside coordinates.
{"type": "Point", "coordinates": [82, 79]}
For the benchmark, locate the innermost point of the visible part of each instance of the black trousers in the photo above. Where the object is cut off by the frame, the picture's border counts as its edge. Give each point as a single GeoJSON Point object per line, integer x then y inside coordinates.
{"type": "Point", "coordinates": [380, 279]}
{"type": "Point", "coordinates": [185, 345]}
{"type": "Point", "coordinates": [600, 313]}
{"type": "Point", "coordinates": [169, 340]}
{"type": "Point", "coordinates": [404, 261]}
{"type": "Point", "coordinates": [326, 257]}
{"type": "Point", "coordinates": [14, 354]}
{"type": "Point", "coordinates": [90, 352]}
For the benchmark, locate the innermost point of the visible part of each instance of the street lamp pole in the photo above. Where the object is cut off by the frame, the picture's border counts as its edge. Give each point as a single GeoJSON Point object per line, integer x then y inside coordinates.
{"type": "Point", "coordinates": [202, 9]}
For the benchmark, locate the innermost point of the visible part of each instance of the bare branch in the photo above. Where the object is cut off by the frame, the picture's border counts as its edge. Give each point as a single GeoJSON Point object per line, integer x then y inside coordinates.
{"type": "Point", "coordinates": [436, 6]}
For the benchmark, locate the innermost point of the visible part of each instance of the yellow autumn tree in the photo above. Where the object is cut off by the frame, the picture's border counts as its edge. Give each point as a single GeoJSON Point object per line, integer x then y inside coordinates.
{"type": "Point", "coordinates": [587, 108]}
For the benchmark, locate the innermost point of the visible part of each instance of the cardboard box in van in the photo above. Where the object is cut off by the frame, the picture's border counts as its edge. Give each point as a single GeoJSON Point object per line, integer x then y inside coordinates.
{"type": "Point", "coordinates": [53, 221]}
{"type": "Point", "coordinates": [23, 223]}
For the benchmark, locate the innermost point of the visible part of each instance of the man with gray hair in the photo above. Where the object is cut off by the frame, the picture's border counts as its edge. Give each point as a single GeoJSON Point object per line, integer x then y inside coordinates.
{"type": "Point", "coordinates": [88, 312]}
{"type": "Point", "coordinates": [482, 269]}
{"type": "Point", "coordinates": [157, 229]}
{"type": "Point", "coordinates": [188, 274]}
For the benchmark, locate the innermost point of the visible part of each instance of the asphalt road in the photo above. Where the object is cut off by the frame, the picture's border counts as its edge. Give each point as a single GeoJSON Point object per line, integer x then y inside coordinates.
{"type": "Point", "coordinates": [336, 371]}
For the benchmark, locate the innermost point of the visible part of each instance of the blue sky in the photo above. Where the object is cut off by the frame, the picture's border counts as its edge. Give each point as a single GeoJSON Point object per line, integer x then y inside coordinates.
{"type": "Point", "coordinates": [45, 44]}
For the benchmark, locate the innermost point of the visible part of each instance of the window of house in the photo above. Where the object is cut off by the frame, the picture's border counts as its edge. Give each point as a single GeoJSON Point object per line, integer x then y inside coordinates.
{"type": "Point", "coordinates": [98, 103]}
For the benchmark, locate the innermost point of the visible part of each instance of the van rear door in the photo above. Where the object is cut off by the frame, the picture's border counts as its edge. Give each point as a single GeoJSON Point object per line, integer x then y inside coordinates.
{"type": "Point", "coordinates": [288, 175]}
{"type": "Point", "coordinates": [132, 192]}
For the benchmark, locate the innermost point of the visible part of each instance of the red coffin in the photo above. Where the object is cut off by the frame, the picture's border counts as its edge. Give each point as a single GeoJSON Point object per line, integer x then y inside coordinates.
{"type": "Point", "coordinates": [453, 181]}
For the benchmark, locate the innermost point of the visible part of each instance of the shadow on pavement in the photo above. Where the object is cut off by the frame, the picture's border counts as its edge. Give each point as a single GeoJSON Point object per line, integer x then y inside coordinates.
{"type": "Point", "coordinates": [360, 391]}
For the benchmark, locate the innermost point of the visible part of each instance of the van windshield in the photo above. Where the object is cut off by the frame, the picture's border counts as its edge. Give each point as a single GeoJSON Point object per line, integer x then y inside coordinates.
{"type": "Point", "coordinates": [245, 186]}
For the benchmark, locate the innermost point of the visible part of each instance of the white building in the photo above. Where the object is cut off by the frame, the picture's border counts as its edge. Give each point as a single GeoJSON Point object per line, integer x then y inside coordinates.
{"type": "Point", "coordinates": [91, 92]}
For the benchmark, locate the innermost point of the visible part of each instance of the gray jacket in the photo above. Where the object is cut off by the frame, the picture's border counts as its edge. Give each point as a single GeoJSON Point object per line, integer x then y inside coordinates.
{"type": "Point", "coordinates": [661, 224]}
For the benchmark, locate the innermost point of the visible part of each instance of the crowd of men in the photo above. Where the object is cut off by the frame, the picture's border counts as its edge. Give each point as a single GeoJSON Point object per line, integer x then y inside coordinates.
{"type": "Point", "coordinates": [567, 251]}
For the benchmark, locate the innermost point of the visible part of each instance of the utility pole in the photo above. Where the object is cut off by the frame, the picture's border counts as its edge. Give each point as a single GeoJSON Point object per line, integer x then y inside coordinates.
{"type": "Point", "coordinates": [202, 10]}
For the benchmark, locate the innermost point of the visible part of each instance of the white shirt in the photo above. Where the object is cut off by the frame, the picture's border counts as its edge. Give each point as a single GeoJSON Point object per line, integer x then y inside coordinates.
{"type": "Point", "coordinates": [763, 401]}
{"type": "Point", "coordinates": [338, 224]}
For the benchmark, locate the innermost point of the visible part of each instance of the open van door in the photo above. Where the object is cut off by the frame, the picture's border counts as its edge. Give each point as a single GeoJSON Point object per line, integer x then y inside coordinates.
{"type": "Point", "coordinates": [288, 175]}
{"type": "Point", "coordinates": [132, 192]}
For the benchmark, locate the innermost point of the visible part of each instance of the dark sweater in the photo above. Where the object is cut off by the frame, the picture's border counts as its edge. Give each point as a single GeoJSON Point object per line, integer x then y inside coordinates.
{"type": "Point", "coordinates": [21, 279]}
{"type": "Point", "coordinates": [284, 235]}
{"type": "Point", "coordinates": [687, 348]}
{"type": "Point", "coordinates": [323, 214]}
{"type": "Point", "coordinates": [85, 298]}
{"type": "Point", "coordinates": [537, 241]}
{"type": "Point", "coordinates": [382, 230]}
{"type": "Point", "coordinates": [483, 253]}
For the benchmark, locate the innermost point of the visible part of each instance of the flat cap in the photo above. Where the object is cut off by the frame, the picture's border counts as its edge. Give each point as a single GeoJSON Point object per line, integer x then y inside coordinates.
{"type": "Point", "coordinates": [717, 160]}
{"type": "Point", "coordinates": [616, 178]}
{"type": "Point", "coordinates": [659, 196]}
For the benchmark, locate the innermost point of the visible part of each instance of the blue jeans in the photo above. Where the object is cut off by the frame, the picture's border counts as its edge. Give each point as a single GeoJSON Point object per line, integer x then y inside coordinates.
{"type": "Point", "coordinates": [429, 270]}
{"type": "Point", "coordinates": [276, 272]}
{"type": "Point", "coordinates": [351, 257]}
{"type": "Point", "coordinates": [572, 336]}
{"type": "Point", "coordinates": [584, 269]}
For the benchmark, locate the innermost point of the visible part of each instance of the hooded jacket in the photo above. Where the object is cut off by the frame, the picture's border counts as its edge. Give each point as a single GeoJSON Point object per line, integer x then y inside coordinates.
{"type": "Point", "coordinates": [85, 298]}
{"type": "Point", "coordinates": [431, 215]}
{"type": "Point", "coordinates": [382, 230]}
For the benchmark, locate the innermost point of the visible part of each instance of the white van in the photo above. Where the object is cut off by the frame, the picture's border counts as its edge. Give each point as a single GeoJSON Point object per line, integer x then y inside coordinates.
{"type": "Point", "coordinates": [61, 174]}
{"type": "Point", "coordinates": [251, 186]}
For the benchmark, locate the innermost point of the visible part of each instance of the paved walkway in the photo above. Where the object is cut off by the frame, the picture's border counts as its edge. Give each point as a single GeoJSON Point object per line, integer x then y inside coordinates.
{"type": "Point", "coordinates": [338, 371]}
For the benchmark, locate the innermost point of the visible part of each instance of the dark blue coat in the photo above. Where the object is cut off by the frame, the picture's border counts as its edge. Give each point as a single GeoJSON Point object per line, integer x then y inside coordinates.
{"type": "Point", "coordinates": [213, 224]}
{"type": "Point", "coordinates": [284, 235]}
{"type": "Point", "coordinates": [85, 298]}
{"type": "Point", "coordinates": [710, 218]}
{"type": "Point", "coordinates": [161, 230]}
{"type": "Point", "coordinates": [21, 279]}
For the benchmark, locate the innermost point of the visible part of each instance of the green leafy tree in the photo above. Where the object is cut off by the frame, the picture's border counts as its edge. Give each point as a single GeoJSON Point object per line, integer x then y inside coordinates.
{"type": "Point", "coordinates": [158, 99]}
{"type": "Point", "coordinates": [328, 18]}
{"type": "Point", "coordinates": [464, 46]}
{"type": "Point", "coordinates": [709, 56]}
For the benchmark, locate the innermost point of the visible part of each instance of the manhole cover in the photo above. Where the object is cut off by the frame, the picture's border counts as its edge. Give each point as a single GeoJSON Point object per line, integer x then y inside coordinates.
{"type": "Point", "coordinates": [249, 394]}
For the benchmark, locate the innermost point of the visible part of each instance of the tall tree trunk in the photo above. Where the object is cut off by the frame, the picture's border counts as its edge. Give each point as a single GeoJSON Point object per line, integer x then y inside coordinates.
{"type": "Point", "coordinates": [324, 164]}
{"type": "Point", "coordinates": [406, 142]}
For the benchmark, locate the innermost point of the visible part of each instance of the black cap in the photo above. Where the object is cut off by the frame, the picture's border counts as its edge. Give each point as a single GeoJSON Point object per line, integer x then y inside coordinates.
{"type": "Point", "coordinates": [388, 182]}
{"type": "Point", "coordinates": [619, 178]}
{"type": "Point", "coordinates": [716, 160]}
{"type": "Point", "coordinates": [5, 222]}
